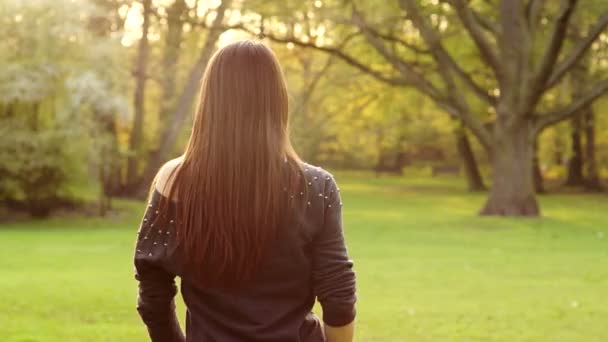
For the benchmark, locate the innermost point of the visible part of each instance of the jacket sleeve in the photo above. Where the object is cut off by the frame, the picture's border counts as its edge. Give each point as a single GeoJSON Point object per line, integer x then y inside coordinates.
{"type": "Point", "coordinates": [333, 276]}
{"type": "Point", "coordinates": [157, 288]}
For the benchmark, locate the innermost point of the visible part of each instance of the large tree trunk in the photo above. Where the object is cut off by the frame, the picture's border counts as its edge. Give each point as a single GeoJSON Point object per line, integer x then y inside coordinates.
{"type": "Point", "coordinates": [593, 179]}
{"type": "Point", "coordinates": [575, 163]}
{"type": "Point", "coordinates": [471, 169]}
{"type": "Point", "coordinates": [136, 137]}
{"type": "Point", "coordinates": [512, 192]}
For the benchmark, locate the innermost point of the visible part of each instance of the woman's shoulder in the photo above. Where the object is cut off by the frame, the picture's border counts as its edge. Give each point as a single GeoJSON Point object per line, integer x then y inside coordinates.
{"type": "Point", "coordinates": [317, 173]}
{"type": "Point", "coordinates": [166, 175]}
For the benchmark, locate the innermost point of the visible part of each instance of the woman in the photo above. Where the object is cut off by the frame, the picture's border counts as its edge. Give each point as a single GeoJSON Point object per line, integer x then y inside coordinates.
{"type": "Point", "coordinates": [253, 232]}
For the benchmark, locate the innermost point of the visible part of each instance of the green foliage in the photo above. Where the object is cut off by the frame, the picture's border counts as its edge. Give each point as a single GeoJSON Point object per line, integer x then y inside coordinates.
{"type": "Point", "coordinates": [60, 95]}
{"type": "Point", "coordinates": [35, 168]}
{"type": "Point", "coordinates": [67, 66]}
{"type": "Point", "coordinates": [351, 120]}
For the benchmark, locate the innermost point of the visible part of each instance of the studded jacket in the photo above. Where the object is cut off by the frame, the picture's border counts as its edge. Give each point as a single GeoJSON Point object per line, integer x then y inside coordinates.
{"type": "Point", "coordinates": [308, 262]}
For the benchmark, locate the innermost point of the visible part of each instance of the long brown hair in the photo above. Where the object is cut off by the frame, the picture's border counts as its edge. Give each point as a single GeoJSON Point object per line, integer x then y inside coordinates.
{"type": "Point", "coordinates": [239, 173]}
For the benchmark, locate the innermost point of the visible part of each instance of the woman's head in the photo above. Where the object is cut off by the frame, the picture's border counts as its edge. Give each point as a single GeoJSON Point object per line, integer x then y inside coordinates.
{"type": "Point", "coordinates": [243, 101]}
{"type": "Point", "coordinates": [234, 186]}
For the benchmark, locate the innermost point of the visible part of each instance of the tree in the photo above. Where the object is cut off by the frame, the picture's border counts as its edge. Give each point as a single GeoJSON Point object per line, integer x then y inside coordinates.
{"type": "Point", "coordinates": [57, 85]}
{"type": "Point", "coordinates": [186, 97]}
{"type": "Point", "coordinates": [469, 162]}
{"type": "Point", "coordinates": [593, 182]}
{"type": "Point", "coordinates": [306, 73]}
{"type": "Point", "coordinates": [582, 164]}
{"type": "Point", "coordinates": [575, 175]}
{"type": "Point", "coordinates": [141, 77]}
{"type": "Point", "coordinates": [520, 67]}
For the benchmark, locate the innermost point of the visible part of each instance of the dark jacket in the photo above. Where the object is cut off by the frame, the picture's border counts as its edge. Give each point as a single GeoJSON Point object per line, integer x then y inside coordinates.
{"type": "Point", "coordinates": [308, 261]}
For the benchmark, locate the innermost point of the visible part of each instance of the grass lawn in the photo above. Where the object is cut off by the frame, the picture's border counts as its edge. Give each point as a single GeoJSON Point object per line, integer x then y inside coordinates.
{"type": "Point", "coordinates": [428, 269]}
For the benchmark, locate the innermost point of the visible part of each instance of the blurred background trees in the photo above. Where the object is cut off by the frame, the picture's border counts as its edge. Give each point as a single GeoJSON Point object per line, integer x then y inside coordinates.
{"type": "Point", "coordinates": [63, 102]}
{"type": "Point", "coordinates": [509, 95]}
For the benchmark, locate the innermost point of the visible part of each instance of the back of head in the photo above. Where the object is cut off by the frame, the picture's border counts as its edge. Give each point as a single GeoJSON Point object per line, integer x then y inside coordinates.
{"type": "Point", "coordinates": [231, 185]}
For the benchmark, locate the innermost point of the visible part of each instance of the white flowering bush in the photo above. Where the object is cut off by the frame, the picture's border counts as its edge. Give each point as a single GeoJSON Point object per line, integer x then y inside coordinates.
{"type": "Point", "coordinates": [61, 95]}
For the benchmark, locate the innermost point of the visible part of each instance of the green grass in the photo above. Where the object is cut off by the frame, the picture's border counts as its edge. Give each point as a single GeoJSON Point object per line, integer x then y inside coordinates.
{"type": "Point", "coordinates": [428, 269]}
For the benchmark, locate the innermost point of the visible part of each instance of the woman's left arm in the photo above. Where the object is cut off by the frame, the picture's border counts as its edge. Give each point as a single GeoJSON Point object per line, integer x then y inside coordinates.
{"type": "Point", "coordinates": [155, 303]}
{"type": "Point", "coordinates": [157, 288]}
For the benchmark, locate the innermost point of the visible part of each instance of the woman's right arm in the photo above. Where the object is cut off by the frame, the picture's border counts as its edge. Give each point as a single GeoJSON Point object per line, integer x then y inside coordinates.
{"type": "Point", "coordinates": [333, 276]}
{"type": "Point", "coordinates": [339, 334]}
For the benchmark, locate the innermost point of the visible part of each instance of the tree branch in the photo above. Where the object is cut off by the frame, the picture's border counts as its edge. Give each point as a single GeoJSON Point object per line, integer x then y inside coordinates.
{"type": "Point", "coordinates": [486, 23]}
{"type": "Point", "coordinates": [578, 51]}
{"type": "Point", "coordinates": [415, 79]}
{"type": "Point", "coordinates": [352, 61]}
{"type": "Point", "coordinates": [402, 66]}
{"type": "Point", "coordinates": [533, 9]}
{"type": "Point", "coordinates": [310, 88]}
{"type": "Point", "coordinates": [551, 54]}
{"type": "Point", "coordinates": [556, 42]}
{"type": "Point", "coordinates": [391, 38]}
{"type": "Point", "coordinates": [396, 81]}
{"type": "Point", "coordinates": [436, 49]}
{"type": "Point", "coordinates": [478, 128]}
{"type": "Point", "coordinates": [476, 32]}
{"type": "Point", "coordinates": [545, 120]}
{"type": "Point", "coordinates": [455, 101]}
